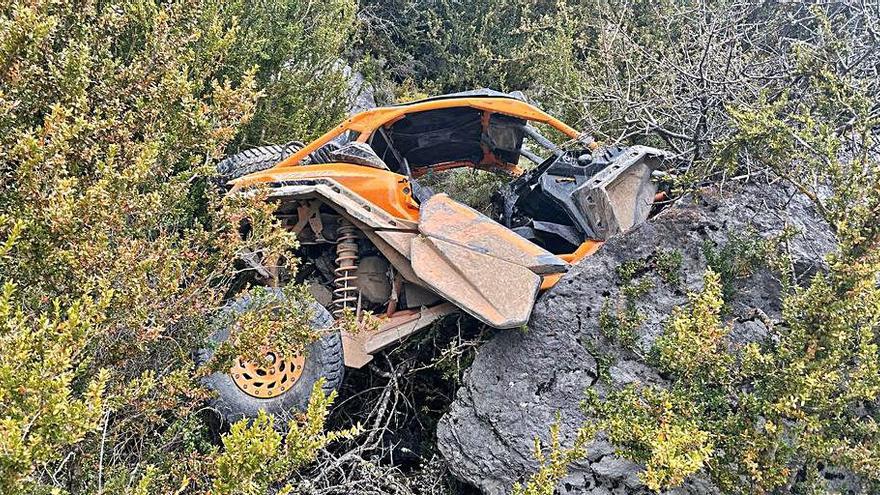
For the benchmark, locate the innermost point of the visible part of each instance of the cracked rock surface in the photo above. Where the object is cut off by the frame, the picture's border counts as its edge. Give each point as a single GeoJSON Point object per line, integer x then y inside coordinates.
{"type": "Point", "coordinates": [521, 379]}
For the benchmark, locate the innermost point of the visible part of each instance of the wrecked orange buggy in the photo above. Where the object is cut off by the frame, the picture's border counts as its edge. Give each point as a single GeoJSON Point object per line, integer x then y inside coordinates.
{"type": "Point", "coordinates": [373, 238]}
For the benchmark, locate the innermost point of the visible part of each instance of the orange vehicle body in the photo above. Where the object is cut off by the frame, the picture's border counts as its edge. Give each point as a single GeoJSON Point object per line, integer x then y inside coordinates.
{"type": "Point", "coordinates": [376, 239]}
{"type": "Point", "coordinates": [391, 191]}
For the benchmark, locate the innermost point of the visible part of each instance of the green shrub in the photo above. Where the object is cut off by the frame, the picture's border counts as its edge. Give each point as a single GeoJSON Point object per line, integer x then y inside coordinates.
{"type": "Point", "coordinates": [620, 318]}
{"type": "Point", "coordinates": [40, 364]}
{"type": "Point", "coordinates": [553, 464]}
{"type": "Point", "coordinates": [655, 427]}
{"type": "Point", "coordinates": [256, 456]}
{"type": "Point", "coordinates": [450, 46]}
{"type": "Point", "coordinates": [692, 344]}
{"type": "Point", "coordinates": [771, 414]}
{"type": "Point", "coordinates": [668, 266]}
{"type": "Point", "coordinates": [620, 322]}
{"type": "Point", "coordinates": [739, 258]}
{"type": "Point", "coordinates": [474, 188]}
{"type": "Point", "coordinates": [658, 427]}
{"type": "Point", "coordinates": [116, 250]}
{"type": "Point", "coordinates": [295, 46]}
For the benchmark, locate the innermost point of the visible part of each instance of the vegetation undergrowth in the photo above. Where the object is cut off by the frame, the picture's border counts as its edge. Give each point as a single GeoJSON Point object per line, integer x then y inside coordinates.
{"type": "Point", "coordinates": [117, 249]}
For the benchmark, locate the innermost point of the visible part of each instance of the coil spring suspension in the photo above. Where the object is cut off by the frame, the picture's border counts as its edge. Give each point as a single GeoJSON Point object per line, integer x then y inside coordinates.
{"type": "Point", "coordinates": [345, 295]}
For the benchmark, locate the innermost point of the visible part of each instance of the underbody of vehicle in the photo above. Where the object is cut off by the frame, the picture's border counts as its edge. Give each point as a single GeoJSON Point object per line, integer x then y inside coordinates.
{"type": "Point", "coordinates": [374, 238]}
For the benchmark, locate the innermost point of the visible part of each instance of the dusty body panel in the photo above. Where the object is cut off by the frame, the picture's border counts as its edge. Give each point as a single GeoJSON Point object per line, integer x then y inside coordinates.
{"type": "Point", "coordinates": [445, 219]}
{"type": "Point", "coordinates": [620, 196]}
{"type": "Point", "coordinates": [360, 347]}
{"type": "Point", "coordinates": [495, 291]}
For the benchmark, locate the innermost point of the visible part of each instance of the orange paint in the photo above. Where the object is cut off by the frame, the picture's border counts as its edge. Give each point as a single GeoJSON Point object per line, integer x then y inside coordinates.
{"type": "Point", "coordinates": [550, 280]}
{"type": "Point", "coordinates": [387, 190]}
{"type": "Point", "coordinates": [367, 122]}
{"type": "Point", "coordinates": [586, 249]}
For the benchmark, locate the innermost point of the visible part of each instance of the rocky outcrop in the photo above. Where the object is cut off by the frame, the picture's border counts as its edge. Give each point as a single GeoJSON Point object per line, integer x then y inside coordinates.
{"type": "Point", "coordinates": [360, 91]}
{"type": "Point", "coordinates": [521, 379]}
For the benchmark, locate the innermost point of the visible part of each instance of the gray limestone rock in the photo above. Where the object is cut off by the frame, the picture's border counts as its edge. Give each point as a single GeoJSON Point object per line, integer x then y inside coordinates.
{"type": "Point", "coordinates": [520, 380]}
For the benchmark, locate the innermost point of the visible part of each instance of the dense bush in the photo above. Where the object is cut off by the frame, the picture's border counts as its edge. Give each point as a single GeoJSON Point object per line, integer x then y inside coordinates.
{"type": "Point", "coordinates": [774, 414]}
{"type": "Point", "coordinates": [474, 188]}
{"type": "Point", "coordinates": [116, 247]}
{"type": "Point", "coordinates": [446, 45]}
{"type": "Point", "coordinates": [297, 48]}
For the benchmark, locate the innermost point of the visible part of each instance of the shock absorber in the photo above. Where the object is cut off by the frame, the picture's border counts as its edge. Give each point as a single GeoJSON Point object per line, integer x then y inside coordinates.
{"type": "Point", "coordinates": [345, 295]}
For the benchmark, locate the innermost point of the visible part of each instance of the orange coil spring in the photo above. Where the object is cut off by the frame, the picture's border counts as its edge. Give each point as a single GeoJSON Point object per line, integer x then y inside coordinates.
{"type": "Point", "coordinates": [345, 295]}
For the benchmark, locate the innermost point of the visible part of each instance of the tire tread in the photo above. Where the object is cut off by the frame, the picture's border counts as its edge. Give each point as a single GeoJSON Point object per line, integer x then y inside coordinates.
{"type": "Point", "coordinates": [328, 362]}
{"type": "Point", "coordinates": [255, 159]}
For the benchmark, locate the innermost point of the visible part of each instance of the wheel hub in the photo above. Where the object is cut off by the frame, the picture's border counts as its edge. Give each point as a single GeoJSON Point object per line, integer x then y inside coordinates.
{"type": "Point", "coordinates": [258, 380]}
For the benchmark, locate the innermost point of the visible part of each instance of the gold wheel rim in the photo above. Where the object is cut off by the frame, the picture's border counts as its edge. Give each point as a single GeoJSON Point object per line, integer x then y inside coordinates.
{"type": "Point", "coordinates": [267, 382]}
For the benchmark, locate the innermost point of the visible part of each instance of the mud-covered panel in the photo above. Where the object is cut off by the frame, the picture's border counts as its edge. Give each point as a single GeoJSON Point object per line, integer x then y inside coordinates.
{"type": "Point", "coordinates": [445, 219]}
{"type": "Point", "coordinates": [495, 291]}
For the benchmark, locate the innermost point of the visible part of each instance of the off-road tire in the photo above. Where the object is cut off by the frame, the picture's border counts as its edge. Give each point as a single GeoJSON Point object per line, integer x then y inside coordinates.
{"type": "Point", "coordinates": [323, 359]}
{"type": "Point", "coordinates": [255, 159]}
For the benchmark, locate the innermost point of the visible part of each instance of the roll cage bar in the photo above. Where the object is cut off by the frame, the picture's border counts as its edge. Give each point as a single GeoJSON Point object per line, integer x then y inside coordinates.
{"type": "Point", "coordinates": [365, 124]}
